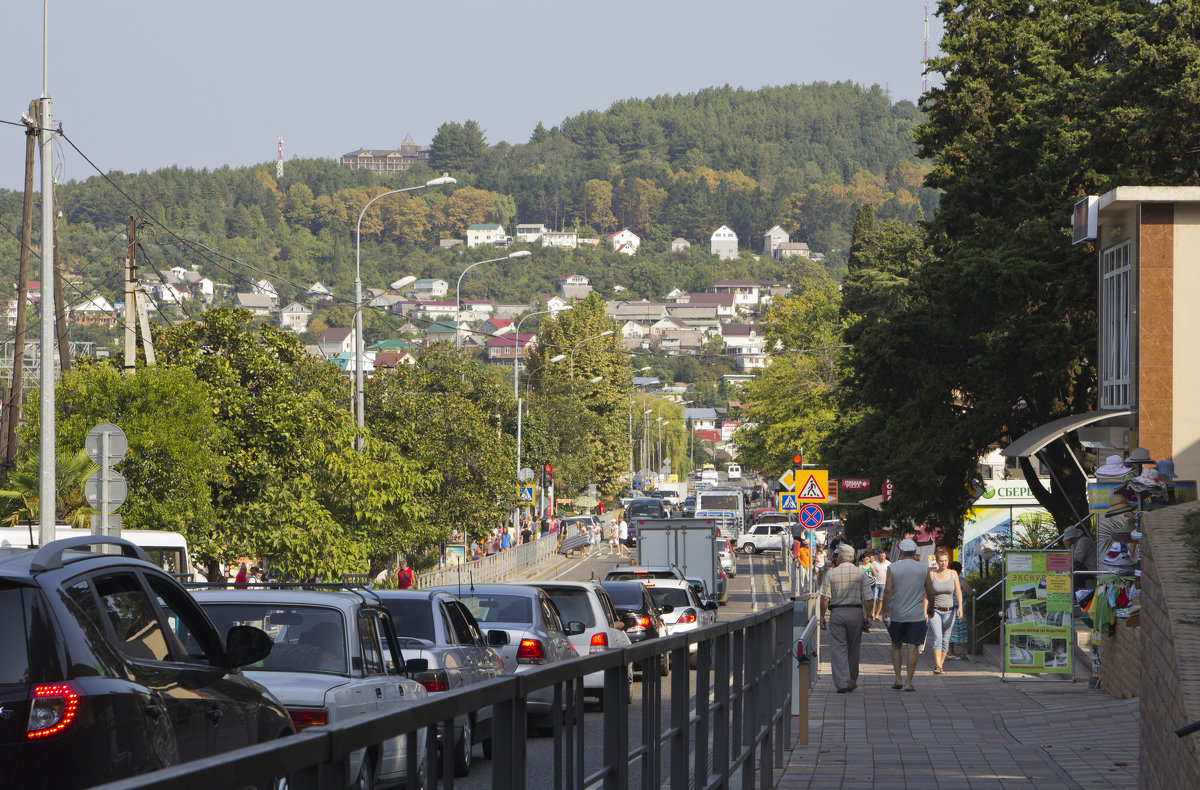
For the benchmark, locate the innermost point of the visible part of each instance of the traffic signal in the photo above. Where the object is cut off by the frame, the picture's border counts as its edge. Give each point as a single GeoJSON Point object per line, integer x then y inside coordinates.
{"type": "Point", "coordinates": [549, 475]}
{"type": "Point", "coordinates": [797, 462]}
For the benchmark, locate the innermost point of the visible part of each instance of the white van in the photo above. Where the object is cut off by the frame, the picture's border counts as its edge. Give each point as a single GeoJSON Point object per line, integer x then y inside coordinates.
{"type": "Point", "coordinates": [168, 550]}
{"type": "Point", "coordinates": [733, 472]}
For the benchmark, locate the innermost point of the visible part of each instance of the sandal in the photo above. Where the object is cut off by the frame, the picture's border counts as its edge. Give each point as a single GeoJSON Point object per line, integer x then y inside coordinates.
{"type": "Point", "coordinates": [938, 671]}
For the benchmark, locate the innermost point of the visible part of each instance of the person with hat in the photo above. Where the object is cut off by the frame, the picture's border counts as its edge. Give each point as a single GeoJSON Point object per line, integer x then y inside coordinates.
{"type": "Point", "coordinates": [1083, 552]}
{"type": "Point", "coordinates": [906, 603]}
{"type": "Point", "coordinates": [845, 600]}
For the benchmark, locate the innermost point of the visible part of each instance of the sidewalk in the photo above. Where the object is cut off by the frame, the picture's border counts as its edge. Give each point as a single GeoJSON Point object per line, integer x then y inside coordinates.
{"type": "Point", "coordinates": [965, 729]}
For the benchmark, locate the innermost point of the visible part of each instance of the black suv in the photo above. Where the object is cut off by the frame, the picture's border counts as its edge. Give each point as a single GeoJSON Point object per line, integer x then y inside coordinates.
{"type": "Point", "coordinates": [109, 669]}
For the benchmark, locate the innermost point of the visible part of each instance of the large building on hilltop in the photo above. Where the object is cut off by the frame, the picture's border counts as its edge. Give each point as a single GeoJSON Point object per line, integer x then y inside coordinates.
{"type": "Point", "coordinates": [387, 161]}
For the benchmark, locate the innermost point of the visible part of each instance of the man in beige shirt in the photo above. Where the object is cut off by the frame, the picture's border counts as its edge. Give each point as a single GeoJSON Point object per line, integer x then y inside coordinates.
{"type": "Point", "coordinates": [845, 607]}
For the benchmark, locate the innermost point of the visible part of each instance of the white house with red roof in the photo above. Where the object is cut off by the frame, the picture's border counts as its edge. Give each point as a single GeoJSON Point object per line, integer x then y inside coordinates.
{"type": "Point", "coordinates": [497, 326]}
{"type": "Point", "coordinates": [336, 340]}
{"type": "Point", "coordinates": [625, 241]}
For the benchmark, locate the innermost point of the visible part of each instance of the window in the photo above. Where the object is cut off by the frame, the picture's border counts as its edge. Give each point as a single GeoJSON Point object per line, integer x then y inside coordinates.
{"type": "Point", "coordinates": [130, 613]}
{"type": "Point", "coordinates": [14, 656]}
{"type": "Point", "coordinates": [195, 640]}
{"type": "Point", "coordinates": [368, 637]}
{"type": "Point", "coordinates": [463, 631]}
{"type": "Point", "coordinates": [1115, 268]}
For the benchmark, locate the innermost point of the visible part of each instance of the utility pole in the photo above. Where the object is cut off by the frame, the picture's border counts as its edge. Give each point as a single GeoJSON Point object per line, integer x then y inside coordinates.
{"type": "Point", "coordinates": [47, 493]}
{"type": "Point", "coordinates": [60, 308]}
{"type": "Point", "coordinates": [131, 299]}
{"type": "Point", "coordinates": [12, 405]}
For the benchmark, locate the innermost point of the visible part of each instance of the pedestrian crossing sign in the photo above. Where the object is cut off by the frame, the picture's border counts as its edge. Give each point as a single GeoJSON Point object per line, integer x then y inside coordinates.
{"type": "Point", "coordinates": [788, 503]}
{"type": "Point", "coordinates": [526, 495]}
{"type": "Point", "coordinates": [812, 485]}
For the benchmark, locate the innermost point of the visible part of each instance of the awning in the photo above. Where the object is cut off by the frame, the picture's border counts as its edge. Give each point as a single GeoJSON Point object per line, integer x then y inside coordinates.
{"type": "Point", "coordinates": [1035, 440]}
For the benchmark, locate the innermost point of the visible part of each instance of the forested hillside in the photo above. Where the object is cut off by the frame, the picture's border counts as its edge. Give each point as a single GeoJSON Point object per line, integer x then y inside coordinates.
{"type": "Point", "coordinates": [803, 157]}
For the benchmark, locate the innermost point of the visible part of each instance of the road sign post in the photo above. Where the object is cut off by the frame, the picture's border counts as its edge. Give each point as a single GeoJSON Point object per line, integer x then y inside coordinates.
{"type": "Point", "coordinates": [788, 503]}
{"type": "Point", "coordinates": [106, 444]}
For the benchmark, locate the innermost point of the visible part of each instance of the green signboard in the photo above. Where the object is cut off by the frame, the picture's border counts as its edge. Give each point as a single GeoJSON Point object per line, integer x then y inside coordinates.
{"type": "Point", "coordinates": [1037, 612]}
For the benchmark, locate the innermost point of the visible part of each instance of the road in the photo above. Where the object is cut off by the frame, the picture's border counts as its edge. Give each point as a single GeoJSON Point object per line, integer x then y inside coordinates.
{"type": "Point", "coordinates": [755, 586]}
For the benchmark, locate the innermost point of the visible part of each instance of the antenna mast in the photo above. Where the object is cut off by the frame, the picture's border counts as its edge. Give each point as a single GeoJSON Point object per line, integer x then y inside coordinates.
{"type": "Point", "coordinates": [925, 57]}
{"type": "Point", "coordinates": [279, 141]}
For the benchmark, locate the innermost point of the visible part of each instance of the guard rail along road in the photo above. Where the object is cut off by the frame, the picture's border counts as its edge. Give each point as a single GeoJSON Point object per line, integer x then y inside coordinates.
{"type": "Point", "coordinates": [497, 567]}
{"type": "Point", "coordinates": [727, 723]}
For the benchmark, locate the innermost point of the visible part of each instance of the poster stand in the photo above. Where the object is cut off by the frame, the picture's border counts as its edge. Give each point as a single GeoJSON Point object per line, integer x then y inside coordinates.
{"type": "Point", "coordinates": [1038, 632]}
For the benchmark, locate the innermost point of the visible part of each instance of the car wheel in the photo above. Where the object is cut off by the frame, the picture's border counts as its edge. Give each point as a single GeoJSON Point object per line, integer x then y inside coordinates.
{"type": "Point", "coordinates": [665, 668]}
{"type": "Point", "coordinates": [366, 774]}
{"type": "Point", "coordinates": [462, 751]}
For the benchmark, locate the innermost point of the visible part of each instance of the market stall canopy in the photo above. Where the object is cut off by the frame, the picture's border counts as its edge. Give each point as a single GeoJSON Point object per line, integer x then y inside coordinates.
{"type": "Point", "coordinates": [1036, 440]}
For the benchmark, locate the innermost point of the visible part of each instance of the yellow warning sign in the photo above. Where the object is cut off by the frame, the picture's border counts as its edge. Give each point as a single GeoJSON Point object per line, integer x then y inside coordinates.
{"type": "Point", "coordinates": [812, 485]}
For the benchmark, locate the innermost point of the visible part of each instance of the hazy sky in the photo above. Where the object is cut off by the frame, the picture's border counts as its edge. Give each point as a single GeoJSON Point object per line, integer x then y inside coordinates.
{"type": "Point", "coordinates": [141, 85]}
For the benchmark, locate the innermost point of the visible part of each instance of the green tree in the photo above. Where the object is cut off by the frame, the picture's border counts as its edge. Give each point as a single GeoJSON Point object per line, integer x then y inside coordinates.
{"type": "Point", "coordinates": [456, 147]}
{"type": "Point", "coordinates": [597, 204]}
{"type": "Point", "coordinates": [21, 500]}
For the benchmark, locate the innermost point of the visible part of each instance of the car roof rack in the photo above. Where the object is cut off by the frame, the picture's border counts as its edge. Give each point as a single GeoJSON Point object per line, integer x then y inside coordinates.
{"type": "Point", "coordinates": [363, 591]}
{"type": "Point", "coordinates": [51, 556]}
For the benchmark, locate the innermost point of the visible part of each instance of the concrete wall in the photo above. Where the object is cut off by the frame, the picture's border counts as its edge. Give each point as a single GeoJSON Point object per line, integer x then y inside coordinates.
{"type": "Point", "coordinates": [1170, 642]}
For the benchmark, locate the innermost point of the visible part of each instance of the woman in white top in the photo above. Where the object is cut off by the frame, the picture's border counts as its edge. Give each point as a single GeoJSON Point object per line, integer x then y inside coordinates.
{"type": "Point", "coordinates": [945, 606]}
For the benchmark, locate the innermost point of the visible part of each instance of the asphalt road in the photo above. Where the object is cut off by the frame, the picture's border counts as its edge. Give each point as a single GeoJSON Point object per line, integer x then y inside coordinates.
{"type": "Point", "coordinates": [755, 586]}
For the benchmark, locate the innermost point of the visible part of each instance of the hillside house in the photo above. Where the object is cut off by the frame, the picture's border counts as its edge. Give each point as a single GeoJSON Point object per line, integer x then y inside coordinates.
{"type": "Point", "coordinates": [560, 238]}
{"type": "Point", "coordinates": [695, 312]}
{"type": "Point", "coordinates": [318, 290]}
{"type": "Point", "coordinates": [725, 304]}
{"type": "Point", "coordinates": [486, 233]}
{"type": "Point", "coordinates": [387, 160]}
{"type": "Point", "coordinates": [434, 310]}
{"type": "Point", "coordinates": [636, 311]}
{"type": "Point", "coordinates": [701, 419]}
{"type": "Point", "coordinates": [574, 286]}
{"type": "Point", "coordinates": [336, 340]}
{"type": "Point", "coordinates": [665, 324]}
{"type": "Point", "coordinates": [625, 241]}
{"type": "Point", "coordinates": [589, 241]}
{"type": "Point", "coordinates": [684, 341]}
{"type": "Point", "coordinates": [530, 234]}
{"type": "Point", "coordinates": [428, 289]}
{"type": "Point", "coordinates": [261, 305]}
{"type": "Point", "coordinates": [772, 240]}
{"type": "Point", "coordinates": [792, 249]}
{"type": "Point", "coordinates": [96, 311]}
{"type": "Point", "coordinates": [724, 243]}
{"type": "Point", "coordinates": [680, 244]}
{"type": "Point", "coordinates": [634, 329]}
{"type": "Point", "coordinates": [266, 287]}
{"type": "Point", "coordinates": [389, 360]}
{"type": "Point", "coordinates": [443, 331]}
{"type": "Point", "coordinates": [511, 348]}
{"type": "Point", "coordinates": [742, 339]}
{"type": "Point", "coordinates": [497, 326]}
{"type": "Point", "coordinates": [555, 304]}
{"type": "Point", "coordinates": [745, 292]}
{"type": "Point", "coordinates": [677, 296]}
{"type": "Point", "coordinates": [295, 317]}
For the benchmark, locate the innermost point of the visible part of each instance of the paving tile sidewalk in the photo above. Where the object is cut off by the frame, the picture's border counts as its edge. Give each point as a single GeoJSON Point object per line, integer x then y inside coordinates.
{"type": "Point", "coordinates": [965, 729]}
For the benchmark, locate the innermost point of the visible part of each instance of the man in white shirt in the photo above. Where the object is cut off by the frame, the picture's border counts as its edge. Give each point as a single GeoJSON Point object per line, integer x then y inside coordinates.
{"type": "Point", "coordinates": [624, 535]}
{"type": "Point", "coordinates": [879, 570]}
{"type": "Point", "coordinates": [907, 604]}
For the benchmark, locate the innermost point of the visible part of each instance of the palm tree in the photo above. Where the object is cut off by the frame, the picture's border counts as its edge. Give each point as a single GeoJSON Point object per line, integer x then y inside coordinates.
{"type": "Point", "coordinates": [19, 503]}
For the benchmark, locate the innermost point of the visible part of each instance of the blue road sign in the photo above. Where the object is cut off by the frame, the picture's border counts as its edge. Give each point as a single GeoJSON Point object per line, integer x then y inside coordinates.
{"type": "Point", "coordinates": [787, 503]}
{"type": "Point", "coordinates": [811, 516]}
{"type": "Point", "coordinates": [527, 494]}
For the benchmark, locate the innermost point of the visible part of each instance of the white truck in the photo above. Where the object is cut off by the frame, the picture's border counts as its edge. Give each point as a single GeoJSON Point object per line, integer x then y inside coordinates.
{"type": "Point", "coordinates": [689, 544]}
{"type": "Point", "coordinates": [724, 504]}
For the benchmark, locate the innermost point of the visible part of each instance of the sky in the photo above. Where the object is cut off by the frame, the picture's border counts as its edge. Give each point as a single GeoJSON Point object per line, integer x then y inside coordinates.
{"type": "Point", "coordinates": [141, 85]}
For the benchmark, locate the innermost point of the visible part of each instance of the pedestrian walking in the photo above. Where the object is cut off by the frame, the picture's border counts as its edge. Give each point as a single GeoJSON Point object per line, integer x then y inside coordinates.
{"type": "Point", "coordinates": [946, 607]}
{"type": "Point", "coordinates": [624, 535]}
{"type": "Point", "coordinates": [614, 537]}
{"type": "Point", "coordinates": [906, 602]}
{"type": "Point", "coordinates": [404, 578]}
{"type": "Point", "coordinates": [879, 568]}
{"type": "Point", "coordinates": [959, 636]}
{"type": "Point", "coordinates": [845, 596]}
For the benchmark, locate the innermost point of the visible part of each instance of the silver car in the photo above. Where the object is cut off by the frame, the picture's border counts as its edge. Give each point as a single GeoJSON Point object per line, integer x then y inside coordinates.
{"type": "Point", "coordinates": [536, 633]}
{"type": "Point", "coordinates": [335, 657]}
{"type": "Point", "coordinates": [687, 611]}
{"type": "Point", "coordinates": [437, 627]}
{"type": "Point", "coordinates": [725, 557]}
{"type": "Point", "coordinates": [604, 629]}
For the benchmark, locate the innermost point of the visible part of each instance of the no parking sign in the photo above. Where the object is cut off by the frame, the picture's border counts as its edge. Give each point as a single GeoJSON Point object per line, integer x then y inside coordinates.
{"type": "Point", "coordinates": [811, 516]}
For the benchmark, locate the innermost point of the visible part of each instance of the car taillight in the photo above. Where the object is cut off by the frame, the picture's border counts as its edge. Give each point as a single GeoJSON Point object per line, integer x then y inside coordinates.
{"type": "Point", "coordinates": [308, 717]}
{"type": "Point", "coordinates": [688, 616]}
{"type": "Point", "coordinates": [53, 709]}
{"type": "Point", "coordinates": [599, 642]}
{"type": "Point", "coordinates": [437, 680]}
{"type": "Point", "coordinates": [643, 621]}
{"type": "Point", "coordinates": [531, 651]}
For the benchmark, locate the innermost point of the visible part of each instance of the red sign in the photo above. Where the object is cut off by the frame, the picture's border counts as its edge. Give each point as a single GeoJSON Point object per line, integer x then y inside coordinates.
{"type": "Point", "coordinates": [856, 484]}
{"type": "Point", "coordinates": [889, 490]}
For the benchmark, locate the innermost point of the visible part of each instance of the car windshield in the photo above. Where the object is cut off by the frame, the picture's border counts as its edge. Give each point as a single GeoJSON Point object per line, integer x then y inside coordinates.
{"type": "Point", "coordinates": [625, 595]}
{"type": "Point", "coordinates": [670, 596]}
{"type": "Point", "coordinates": [412, 617]}
{"type": "Point", "coordinates": [498, 608]}
{"type": "Point", "coordinates": [307, 638]}
{"type": "Point", "coordinates": [573, 604]}
{"type": "Point", "coordinates": [646, 509]}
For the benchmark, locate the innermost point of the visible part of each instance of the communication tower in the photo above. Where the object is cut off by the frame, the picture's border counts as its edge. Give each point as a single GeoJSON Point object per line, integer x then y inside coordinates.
{"type": "Point", "coordinates": [924, 62]}
{"type": "Point", "coordinates": [279, 141]}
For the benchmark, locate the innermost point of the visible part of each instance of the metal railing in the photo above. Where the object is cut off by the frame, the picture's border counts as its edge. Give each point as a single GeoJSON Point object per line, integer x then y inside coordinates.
{"type": "Point", "coordinates": [494, 567]}
{"type": "Point", "coordinates": [737, 727]}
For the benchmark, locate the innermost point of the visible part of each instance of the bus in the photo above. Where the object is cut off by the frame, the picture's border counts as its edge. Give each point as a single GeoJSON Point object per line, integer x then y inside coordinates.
{"type": "Point", "coordinates": [168, 550]}
{"type": "Point", "coordinates": [723, 503]}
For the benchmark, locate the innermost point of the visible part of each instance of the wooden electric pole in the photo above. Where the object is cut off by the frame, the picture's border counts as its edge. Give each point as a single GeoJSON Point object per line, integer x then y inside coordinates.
{"type": "Point", "coordinates": [12, 404]}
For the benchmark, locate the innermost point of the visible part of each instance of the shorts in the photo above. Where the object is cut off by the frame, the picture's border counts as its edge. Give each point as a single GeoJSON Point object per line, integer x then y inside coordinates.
{"type": "Point", "coordinates": [879, 590]}
{"type": "Point", "coordinates": [908, 633]}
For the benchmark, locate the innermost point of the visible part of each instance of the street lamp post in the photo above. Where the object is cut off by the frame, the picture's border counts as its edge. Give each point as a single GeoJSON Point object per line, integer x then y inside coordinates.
{"type": "Point", "coordinates": [638, 370]}
{"type": "Point", "coordinates": [358, 302]}
{"type": "Point", "coordinates": [580, 343]}
{"type": "Point", "coordinates": [458, 288]}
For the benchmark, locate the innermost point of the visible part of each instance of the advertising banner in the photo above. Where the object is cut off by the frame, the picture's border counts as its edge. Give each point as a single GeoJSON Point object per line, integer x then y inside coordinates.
{"type": "Point", "coordinates": [1037, 612]}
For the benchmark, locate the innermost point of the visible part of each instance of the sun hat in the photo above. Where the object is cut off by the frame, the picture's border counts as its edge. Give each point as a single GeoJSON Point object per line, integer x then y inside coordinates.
{"type": "Point", "coordinates": [1117, 505]}
{"type": "Point", "coordinates": [1166, 468]}
{"type": "Point", "coordinates": [1113, 467]}
{"type": "Point", "coordinates": [1118, 555]}
{"type": "Point", "coordinates": [1139, 455]}
{"type": "Point", "coordinates": [908, 546]}
{"type": "Point", "coordinates": [1147, 479]}
{"type": "Point", "coordinates": [1072, 533]}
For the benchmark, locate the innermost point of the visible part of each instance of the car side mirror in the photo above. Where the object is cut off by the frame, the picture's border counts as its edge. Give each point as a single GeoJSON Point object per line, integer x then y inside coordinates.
{"type": "Point", "coordinates": [247, 645]}
{"type": "Point", "coordinates": [497, 638]}
{"type": "Point", "coordinates": [575, 627]}
{"type": "Point", "coordinates": [710, 605]}
{"type": "Point", "coordinates": [415, 665]}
